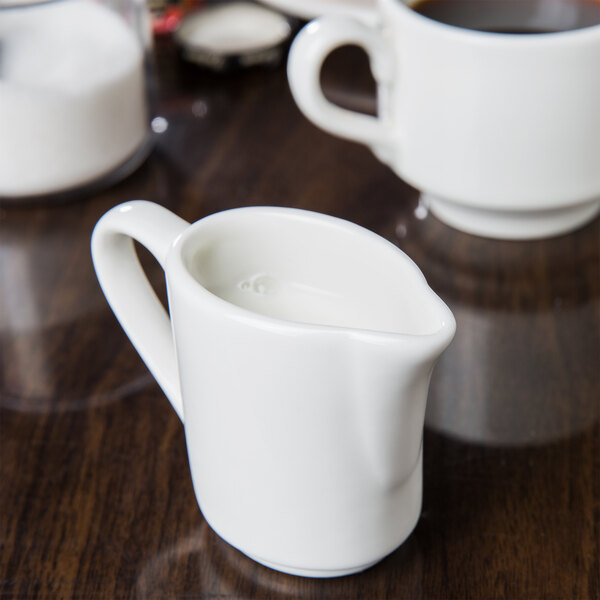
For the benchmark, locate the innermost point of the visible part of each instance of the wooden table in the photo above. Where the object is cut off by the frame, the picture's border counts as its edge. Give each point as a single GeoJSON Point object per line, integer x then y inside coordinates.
{"type": "Point", "coordinates": [96, 499]}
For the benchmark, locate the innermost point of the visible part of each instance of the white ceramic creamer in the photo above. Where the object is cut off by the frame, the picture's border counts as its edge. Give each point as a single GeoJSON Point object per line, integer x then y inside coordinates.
{"type": "Point", "coordinates": [298, 355]}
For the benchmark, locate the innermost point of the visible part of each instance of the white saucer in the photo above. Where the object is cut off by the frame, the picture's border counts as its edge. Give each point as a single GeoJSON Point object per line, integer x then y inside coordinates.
{"type": "Point", "coordinates": [309, 9]}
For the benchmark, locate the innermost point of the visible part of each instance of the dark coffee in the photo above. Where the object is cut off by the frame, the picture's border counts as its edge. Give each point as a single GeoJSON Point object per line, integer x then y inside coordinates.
{"type": "Point", "coordinates": [513, 16]}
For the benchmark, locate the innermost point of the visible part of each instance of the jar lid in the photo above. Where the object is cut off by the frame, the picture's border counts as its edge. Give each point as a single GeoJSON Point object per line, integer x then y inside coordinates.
{"type": "Point", "coordinates": [233, 34]}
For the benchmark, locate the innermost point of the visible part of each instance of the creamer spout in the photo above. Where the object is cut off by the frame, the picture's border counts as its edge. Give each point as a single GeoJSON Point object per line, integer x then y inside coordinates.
{"type": "Point", "coordinates": [391, 375]}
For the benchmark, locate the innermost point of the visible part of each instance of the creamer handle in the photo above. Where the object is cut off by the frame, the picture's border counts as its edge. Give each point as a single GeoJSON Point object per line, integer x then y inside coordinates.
{"type": "Point", "coordinates": [310, 48]}
{"type": "Point", "coordinates": [128, 290]}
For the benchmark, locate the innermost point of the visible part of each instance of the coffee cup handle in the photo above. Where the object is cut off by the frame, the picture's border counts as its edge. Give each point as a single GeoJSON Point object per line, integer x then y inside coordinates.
{"type": "Point", "coordinates": [127, 289]}
{"type": "Point", "coordinates": [310, 48]}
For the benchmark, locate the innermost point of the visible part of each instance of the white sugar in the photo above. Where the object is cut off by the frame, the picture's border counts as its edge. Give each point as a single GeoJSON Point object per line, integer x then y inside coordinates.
{"type": "Point", "coordinates": [72, 96]}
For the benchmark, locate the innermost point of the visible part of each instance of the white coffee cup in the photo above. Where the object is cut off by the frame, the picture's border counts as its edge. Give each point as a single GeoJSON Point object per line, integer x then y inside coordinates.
{"type": "Point", "coordinates": [500, 132]}
{"type": "Point", "coordinates": [298, 356]}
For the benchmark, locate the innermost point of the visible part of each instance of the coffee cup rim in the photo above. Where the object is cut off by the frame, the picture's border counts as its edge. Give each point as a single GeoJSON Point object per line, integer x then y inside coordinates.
{"type": "Point", "coordinates": [495, 36]}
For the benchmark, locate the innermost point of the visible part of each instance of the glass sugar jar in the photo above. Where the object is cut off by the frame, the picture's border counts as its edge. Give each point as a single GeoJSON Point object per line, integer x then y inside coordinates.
{"type": "Point", "coordinates": [74, 102]}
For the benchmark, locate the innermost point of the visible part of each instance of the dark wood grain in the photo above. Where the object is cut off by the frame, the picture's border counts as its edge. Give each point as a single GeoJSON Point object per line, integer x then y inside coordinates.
{"type": "Point", "coordinates": [96, 499]}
